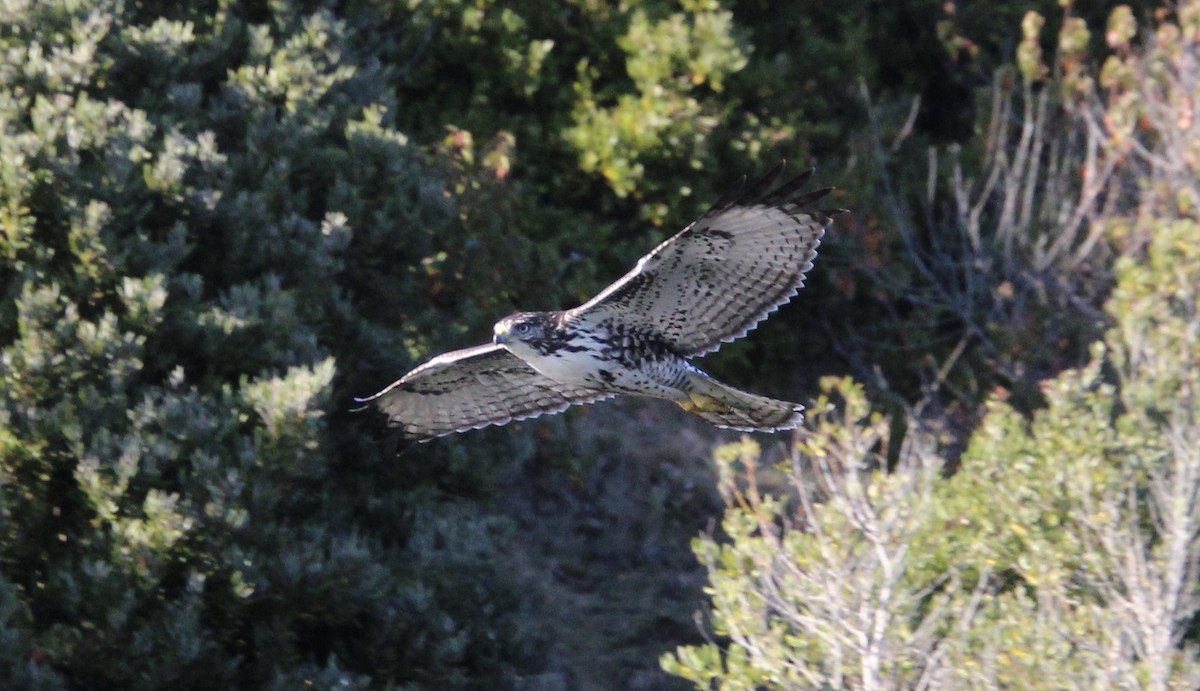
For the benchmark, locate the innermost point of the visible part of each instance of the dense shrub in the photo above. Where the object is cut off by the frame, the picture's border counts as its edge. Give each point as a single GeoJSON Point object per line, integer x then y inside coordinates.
{"type": "Point", "coordinates": [182, 500]}
{"type": "Point", "coordinates": [1064, 551]}
{"type": "Point", "coordinates": [219, 221]}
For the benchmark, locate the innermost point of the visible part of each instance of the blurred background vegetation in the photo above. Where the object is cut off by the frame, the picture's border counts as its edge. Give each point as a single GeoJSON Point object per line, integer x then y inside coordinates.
{"type": "Point", "coordinates": [221, 220]}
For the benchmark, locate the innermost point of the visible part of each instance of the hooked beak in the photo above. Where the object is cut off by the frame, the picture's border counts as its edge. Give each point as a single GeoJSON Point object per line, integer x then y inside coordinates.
{"type": "Point", "coordinates": [500, 334]}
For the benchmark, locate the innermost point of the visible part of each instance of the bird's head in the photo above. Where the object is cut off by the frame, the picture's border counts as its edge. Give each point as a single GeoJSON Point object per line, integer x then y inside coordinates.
{"type": "Point", "coordinates": [520, 330]}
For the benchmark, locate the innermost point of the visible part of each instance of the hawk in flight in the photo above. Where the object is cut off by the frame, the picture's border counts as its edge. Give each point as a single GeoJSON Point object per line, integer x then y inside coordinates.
{"type": "Point", "coordinates": [709, 284]}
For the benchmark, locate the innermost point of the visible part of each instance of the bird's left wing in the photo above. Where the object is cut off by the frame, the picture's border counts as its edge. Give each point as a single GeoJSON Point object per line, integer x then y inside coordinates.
{"type": "Point", "coordinates": [472, 388]}
{"type": "Point", "coordinates": [724, 273]}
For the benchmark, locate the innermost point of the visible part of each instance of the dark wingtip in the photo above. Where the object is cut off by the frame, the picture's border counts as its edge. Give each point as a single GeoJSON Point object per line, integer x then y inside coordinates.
{"type": "Point", "coordinates": [784, 192]}
{"type": "Point", "coordinates": [728, 199]}
{"type": "Point", "coordinates": [759, 192]}
{"type": "Point", "coordinates": [808, 197]}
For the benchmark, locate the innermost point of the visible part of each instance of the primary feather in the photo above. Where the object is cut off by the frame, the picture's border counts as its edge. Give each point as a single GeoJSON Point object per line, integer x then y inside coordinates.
{"type": "Point", "coordinates": [709, 284]}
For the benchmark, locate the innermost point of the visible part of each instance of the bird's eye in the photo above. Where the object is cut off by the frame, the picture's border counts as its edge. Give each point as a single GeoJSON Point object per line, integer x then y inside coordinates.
{"type": "Point", "coordinates": [522, 328]}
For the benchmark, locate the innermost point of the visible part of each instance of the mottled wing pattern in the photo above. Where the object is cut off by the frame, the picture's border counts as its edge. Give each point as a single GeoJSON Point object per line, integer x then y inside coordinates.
{"type": "Point", "coordinates": [473, 388]}
{"type": "Point", "coordinates": [723, 274]}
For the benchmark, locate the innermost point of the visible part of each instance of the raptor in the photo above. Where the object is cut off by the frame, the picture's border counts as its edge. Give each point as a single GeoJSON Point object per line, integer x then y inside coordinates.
{"type": "Point", "coordinates": [707, 285]}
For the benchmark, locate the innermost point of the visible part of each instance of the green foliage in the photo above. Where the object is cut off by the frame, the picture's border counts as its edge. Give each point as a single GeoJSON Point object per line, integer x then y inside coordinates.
{"type": "Point", "coordinates": [219, 221]}
{"type": "Point", "coordinates": [823, 588]}
{"type": "Point", "coordinates": [181, 200]}
{"type": "Point", "coordinates": [1091, 509]}
{"type": "Point", "coordinates": [667, 60]}
{"type": "Point", "coordinates": [215, 228]}
{"type": "Point", "coordinates": [1063, 553]}
{"type": "Point", "coordinates": [1148, 115]}
{"type": "Point", "coordinates": [985, 262]}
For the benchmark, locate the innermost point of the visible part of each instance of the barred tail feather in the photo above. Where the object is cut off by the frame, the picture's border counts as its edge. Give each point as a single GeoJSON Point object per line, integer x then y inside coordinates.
{"type": "Point", "coordinates": [724, 406]}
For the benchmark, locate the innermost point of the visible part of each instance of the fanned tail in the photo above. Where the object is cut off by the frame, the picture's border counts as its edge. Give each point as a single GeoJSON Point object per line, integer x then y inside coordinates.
{"type": "Point", "coordinates": [724, 406]}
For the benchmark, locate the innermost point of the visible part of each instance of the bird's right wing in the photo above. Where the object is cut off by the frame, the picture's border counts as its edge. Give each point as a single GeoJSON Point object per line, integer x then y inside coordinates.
{"type": "Point", "coordinates": [472, 388]}
{"type": "Point", "coordinates": [724, 273]}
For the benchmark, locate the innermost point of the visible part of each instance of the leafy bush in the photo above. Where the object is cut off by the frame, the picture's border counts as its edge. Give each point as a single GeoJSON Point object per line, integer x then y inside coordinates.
{"type": "Point", "coordinates": [1092, 510]}
{"type": "Point", "coordinates": [182, 199]}
{"type": "Point", "coordinates": [221, 220]}
{"type": "Point", "coordinates": [1064, 552]}
{"type": "Point", "coordinates": [820, 591]}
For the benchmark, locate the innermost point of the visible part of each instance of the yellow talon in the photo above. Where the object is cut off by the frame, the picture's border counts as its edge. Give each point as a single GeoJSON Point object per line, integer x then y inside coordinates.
{"type": "Point", "coordinates": [699, 403]}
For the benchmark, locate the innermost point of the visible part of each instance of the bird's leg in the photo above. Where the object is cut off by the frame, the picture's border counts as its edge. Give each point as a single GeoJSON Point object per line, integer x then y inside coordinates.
{"type": "Point", "coordinates": [700, 403]}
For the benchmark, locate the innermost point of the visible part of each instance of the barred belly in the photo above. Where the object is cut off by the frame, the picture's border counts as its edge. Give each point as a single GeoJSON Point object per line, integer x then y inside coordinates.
{"type": "Point", "coordinates": [599, 365]}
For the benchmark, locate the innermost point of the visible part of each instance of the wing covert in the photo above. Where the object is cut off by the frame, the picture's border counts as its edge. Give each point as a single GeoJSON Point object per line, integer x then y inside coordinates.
{"type": "Point", "coordinates": [472, 388]}
{"type": "Point", "coordinates": [719, 277]}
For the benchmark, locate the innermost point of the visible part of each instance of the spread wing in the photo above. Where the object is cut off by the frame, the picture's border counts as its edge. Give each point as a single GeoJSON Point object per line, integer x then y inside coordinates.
{"type": "Point", "coordinates": [724, 273]}
{"type": "Point", "coordinates": [472, 388]}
